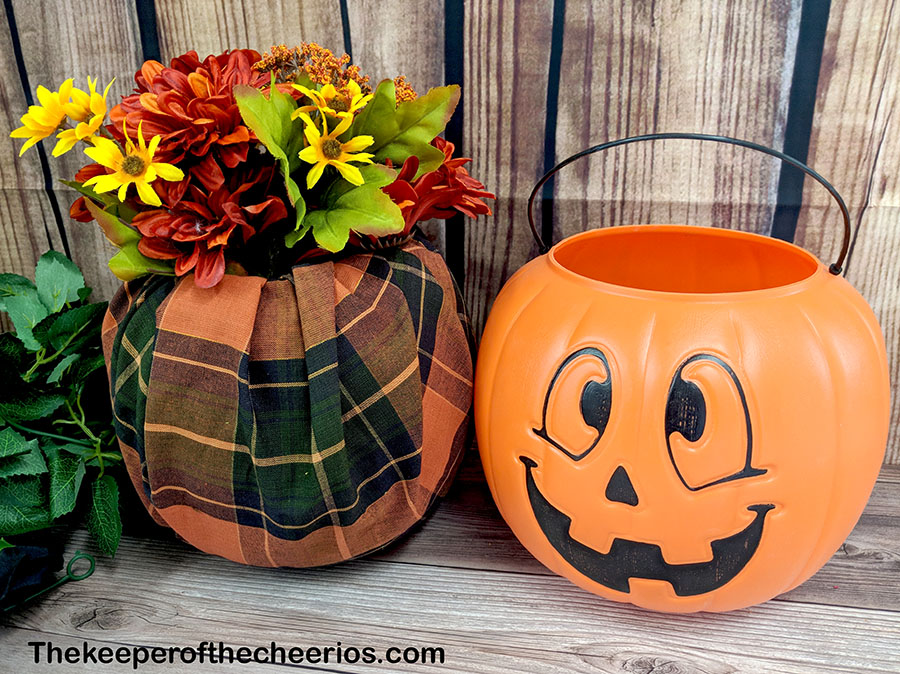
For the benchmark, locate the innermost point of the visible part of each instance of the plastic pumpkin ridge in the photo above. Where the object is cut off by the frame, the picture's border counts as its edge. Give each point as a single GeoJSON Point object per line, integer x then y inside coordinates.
{"type": "Point", "coordinates": [684, 418]}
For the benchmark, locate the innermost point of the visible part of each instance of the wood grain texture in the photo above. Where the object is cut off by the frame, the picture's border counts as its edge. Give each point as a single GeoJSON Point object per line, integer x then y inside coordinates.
{"type": "Point", "coordinates": [61, 39]}
{"type": "Point", "coordinates": [401, 38]}
{"type": "Point", "coordinates": [442, 589]}
{"type": "Point", "coordinates": [635, 68]}
{"type": "Point", "coordinates": [212, 26]}
{"type": "Point", "coordinates": [856, 144]}
{"type": "Point", "coordinates": [27, 225]}
{"type": "Point", "coordinates": [506, 68]}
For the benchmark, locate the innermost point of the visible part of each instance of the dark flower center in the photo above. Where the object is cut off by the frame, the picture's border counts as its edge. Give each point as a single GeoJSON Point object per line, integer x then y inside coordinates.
{"type": "Point", "coordinates": [339, 104]}
{"type": "Point", "coordinates": [331, 148]}
{"type": "Point", "coordinates": [133, 165]}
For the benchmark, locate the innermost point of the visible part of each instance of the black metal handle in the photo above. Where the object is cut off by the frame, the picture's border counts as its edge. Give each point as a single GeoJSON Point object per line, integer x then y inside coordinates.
{"type": "Point", "coordinates": [835, 268]}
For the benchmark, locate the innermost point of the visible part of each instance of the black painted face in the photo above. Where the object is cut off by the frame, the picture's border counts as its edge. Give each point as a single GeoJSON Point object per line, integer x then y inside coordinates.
{"type": "Point", "coordinates": [686, 413]}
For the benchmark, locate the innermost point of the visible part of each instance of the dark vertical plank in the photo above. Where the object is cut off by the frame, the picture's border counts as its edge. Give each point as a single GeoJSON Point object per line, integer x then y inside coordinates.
{"type": "Point", "coordinates": [454, 73]}
{"type": "Point", "coordinates": [856, 144]}
{"type": "Point", "coordinates": [507, 64]}
{"type": "Point", "coordinates": [801, 109]}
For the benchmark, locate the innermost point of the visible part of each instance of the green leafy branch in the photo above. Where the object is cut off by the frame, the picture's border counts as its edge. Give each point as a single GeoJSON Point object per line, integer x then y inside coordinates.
{"type": "Point", "coordinates": [55, 430]}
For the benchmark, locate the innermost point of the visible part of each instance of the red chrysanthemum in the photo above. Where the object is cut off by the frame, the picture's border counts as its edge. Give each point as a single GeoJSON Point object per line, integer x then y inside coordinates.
{"type": "Point", "coordinates": [196, 232]}
{"type": "Point", "coordinates": [439, 194]}
{"type": "Point", "coordinates": [191, 105]}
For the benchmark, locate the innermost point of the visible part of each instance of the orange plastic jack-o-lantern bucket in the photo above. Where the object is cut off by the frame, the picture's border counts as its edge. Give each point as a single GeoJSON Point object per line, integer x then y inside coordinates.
{"type": "Point", "coordinates": [684, 418]}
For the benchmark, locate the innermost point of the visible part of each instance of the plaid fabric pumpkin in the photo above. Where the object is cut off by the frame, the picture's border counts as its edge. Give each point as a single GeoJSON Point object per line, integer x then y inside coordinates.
{"type": "Point", "coordinates": [294, 422]}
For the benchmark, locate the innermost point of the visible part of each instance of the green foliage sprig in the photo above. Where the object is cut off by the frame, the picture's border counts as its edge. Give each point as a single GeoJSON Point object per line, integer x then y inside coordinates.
{"type": "Point", "coordinates": [56, 436]}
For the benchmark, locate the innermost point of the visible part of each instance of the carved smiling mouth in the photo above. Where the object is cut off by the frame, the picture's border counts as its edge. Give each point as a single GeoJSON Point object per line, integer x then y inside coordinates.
{"type": "Point", "coordinates": [634, 559]}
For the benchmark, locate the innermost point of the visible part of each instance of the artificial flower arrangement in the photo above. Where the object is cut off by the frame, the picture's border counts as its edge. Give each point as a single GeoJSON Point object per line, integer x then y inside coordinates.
{"type": "Point", "coordinates": [290, 364]}
{"type": "Point", "coordinates": [247, 164]}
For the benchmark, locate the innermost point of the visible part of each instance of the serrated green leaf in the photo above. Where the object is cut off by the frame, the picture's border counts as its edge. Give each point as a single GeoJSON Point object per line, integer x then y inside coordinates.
{"type": "Point", "coordinates": [117, 232]}
{"type": "Point", "coordinates": [84, 293]}
{"type": "Point", "coordinates": [23, 506]}
{"type": "Point", "coordinates": [329, 231]}
{"type": "Point", "coordinates": [88, 365]}
{"type": "Point", "coordinates": [374, 175]}
{"type": "Point", "coordinates": [61, 367]}
{"type": "Point", "coordinates": [104, 521]}
{"type": "Point", "coordinates": [405, 129]}
{"type": "Point", "coordinates": [58, 280]}
{"type": "Point", "coordinates": [13, 443]}
{"type": "Point", "coordinates": [66, 474]}
{"type": "Point", "coordinates": [269, 117]}
{"type": "Point", "coordinates": [12, 352]}
{"type": "Point", "coordinates": [4, 544]}
{"type": "Point", "coordinates": [129, 263]}
{"type": "Point", "coordinates": [30, 463]}
{"type": "Point", "coordinates": [13, 284]}
{"type": "Point", "coordinates": [81, 322]}
{"type": "Point", "coordinates": [25, 313]}
{"type": "Point", "coordinates": [41, 332]}
{"type": "Point", "coordinates": [364, 209]}
{"type": "Point", "coordinates": [27, 404]}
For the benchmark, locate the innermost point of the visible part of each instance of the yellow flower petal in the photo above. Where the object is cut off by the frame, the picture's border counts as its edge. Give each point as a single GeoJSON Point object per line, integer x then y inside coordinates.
{"type": "Point", "coordinates": [21, 132]}
{"type": "Point", "coordinates": [364, 157]}
{"type": "Point", "coordinates": [45, 97]}
{"type": "Point", "coordinates": [350, 173]}
{"type": "Point", "coordinates": [29, 143]}
{"type": "Point", "coordinates": [44, 117]}
{"type": "Point", "coordinates": [65, 141]}
{"type": "Point", "coordinates": [311, 94]}
{"type": "Point", "coordinates": [309, 154]}
{"type": "Point", "coordinates": [342, 126]}
{"type": "Point", "coordinates": [123, 191]}
{"type": "Point", "coordinates": [146, 193]}
{"type": "Point", "coordinates": [104, 183]}
{"type": "Point", "coordinates": [105, 152]}
{"type": "Point", "coordinates": [65, 90]}
{"type": "Point", "coordinates": [358, 143]}
{"type": "Point", "coordinates": [168, 171]}
{"type": "Point", "coordinates": [314, 174]}
{"type": "Point", "coordinates": [151, 149]}
{"type": "Point", "coordinates": [143, 145]}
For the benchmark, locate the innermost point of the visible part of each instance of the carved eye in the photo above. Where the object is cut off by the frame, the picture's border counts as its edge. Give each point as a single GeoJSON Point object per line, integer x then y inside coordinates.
{"type": "Point", "coordinates": [708, 431]}
{"type": "Point", "coordinates": [583, 382]}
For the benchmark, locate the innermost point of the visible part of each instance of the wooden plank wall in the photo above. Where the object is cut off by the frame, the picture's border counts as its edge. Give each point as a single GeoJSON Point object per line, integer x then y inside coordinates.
{"type": "Point", "coordinates": [541, 81]}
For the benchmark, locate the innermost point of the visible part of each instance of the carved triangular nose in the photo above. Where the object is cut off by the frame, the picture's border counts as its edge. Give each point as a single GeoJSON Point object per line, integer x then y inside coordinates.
{"type": "Point", "coordinates": [620, 488]}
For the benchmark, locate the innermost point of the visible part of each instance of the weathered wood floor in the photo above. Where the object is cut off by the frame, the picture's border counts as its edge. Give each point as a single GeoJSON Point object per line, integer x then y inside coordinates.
{"type": "Point", "coordinates": [463, 583]}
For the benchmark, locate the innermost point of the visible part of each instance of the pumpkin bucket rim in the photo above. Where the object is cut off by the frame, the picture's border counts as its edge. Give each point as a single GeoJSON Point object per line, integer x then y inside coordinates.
{"type": "Point", "coordinates": [777, 282]}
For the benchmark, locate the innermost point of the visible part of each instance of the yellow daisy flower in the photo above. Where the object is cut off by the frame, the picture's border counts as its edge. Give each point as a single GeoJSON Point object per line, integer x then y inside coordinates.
{"type": "Point", "coordinates": [89, 110]}
{"type": "Point", "coordinates": [43, 120]}
{"type": "Point", "coordinates": [326, 150]}
{"type": "Point", "coordinates": [337, 103]}
{"type": "Point", "coordinates": [135, 165]}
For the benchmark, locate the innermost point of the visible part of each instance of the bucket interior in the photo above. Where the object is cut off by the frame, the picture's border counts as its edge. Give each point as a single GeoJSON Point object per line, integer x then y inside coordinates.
{"type": "Point", "coordinates": [683, 259]}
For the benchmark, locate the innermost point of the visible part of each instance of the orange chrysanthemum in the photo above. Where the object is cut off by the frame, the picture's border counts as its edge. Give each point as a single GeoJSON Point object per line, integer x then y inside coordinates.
{"type": "Point", "coordinates": [191, 106]}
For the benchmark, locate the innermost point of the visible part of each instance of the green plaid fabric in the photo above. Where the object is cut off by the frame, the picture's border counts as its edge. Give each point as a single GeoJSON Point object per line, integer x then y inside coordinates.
{"type": "Point", "coordinates": [295, 422]}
